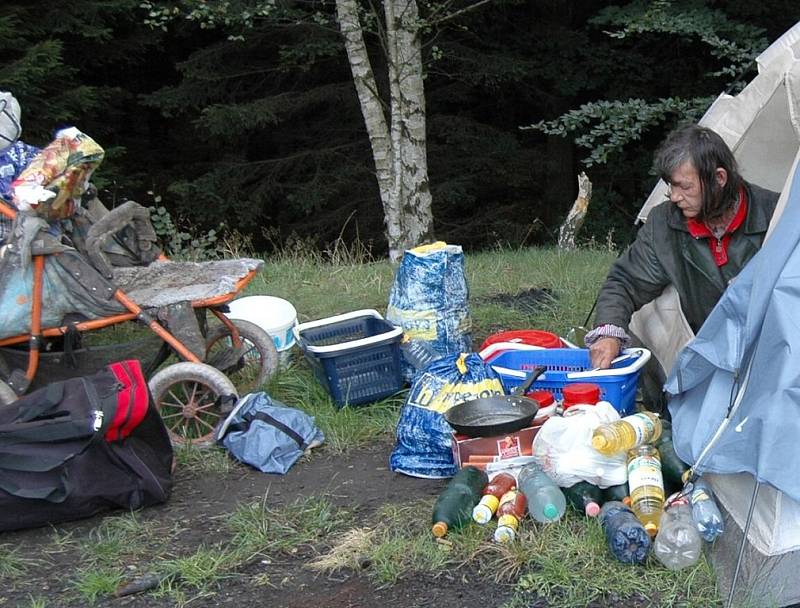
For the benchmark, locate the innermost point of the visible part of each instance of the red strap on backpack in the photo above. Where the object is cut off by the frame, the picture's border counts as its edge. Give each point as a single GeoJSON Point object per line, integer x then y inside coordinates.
{"type": "Point", "coordinates": [133, 399]}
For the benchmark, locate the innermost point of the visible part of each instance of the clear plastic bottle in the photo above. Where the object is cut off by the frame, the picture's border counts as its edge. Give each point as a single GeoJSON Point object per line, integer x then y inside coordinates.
{"type": "Point", "coordinates": [585, 498]}
{"type": "Point", "coordinates": [705, 512]}
{"type": "Point", "coordinates": [492, 493]}
{"type": "Point", "coordinates": [454, 506]}
{"type": "Point", "coordinates": [627, 433]}
{"type": "Point", "coordinates": [646, 486]}
{"type": "Point", "coordinates": [627, 539]}
{"type": "Point", "coordinates": [678, 543]}
{"type": "Point", "coordinates": [546, 501]}
{"type": "Point", "coordinates": [418, 353]}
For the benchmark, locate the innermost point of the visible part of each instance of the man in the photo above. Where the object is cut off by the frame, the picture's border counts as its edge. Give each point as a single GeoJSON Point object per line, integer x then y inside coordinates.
{"type": "Point", "coordinates": [14, 154]}
{"type": "Point", "coordinates": [713, 225]}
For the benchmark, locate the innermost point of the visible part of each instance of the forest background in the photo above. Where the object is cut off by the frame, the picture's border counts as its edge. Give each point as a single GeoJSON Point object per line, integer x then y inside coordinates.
{"type": "Point", "coordinates": [245, 113]}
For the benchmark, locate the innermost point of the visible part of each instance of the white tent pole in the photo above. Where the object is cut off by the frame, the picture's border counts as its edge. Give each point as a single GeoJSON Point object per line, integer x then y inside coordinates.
{"type": "Point", "coordinates": [745, 532]}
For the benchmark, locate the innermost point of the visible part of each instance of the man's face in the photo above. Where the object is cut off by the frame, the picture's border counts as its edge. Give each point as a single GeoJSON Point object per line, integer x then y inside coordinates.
{"type": "Point", "coordinates": [684, 190]}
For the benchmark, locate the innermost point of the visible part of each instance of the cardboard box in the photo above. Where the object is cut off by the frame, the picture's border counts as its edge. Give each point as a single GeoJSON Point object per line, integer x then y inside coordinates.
{"type": "Point", "coordinates": [478, 451]}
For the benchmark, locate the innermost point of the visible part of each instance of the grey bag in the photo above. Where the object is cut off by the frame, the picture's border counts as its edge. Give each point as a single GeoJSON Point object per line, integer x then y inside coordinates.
{"type": "Point", "coordinates": [266, 434]}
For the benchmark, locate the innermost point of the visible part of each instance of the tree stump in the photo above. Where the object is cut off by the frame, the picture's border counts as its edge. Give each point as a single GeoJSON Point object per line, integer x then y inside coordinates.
{"type": "Point", "coordinates": [572, 225]}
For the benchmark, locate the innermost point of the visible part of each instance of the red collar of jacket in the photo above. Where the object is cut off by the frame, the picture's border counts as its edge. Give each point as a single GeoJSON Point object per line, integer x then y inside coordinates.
{"type": "Point", "coordinates": [719, 247]}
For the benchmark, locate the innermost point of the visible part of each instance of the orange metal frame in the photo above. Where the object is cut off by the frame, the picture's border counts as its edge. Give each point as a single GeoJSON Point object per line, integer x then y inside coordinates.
{"type": "Point", "coordinates": [134, 312]}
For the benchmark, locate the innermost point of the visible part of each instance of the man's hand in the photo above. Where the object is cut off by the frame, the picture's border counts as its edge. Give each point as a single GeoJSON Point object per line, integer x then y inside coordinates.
{"type": "Point", "coordinates": [603, 351]}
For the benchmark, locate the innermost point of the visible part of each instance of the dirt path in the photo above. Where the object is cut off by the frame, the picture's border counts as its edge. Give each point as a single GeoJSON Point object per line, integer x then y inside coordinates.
{"type": "Point", "coordinates": [359, 481]}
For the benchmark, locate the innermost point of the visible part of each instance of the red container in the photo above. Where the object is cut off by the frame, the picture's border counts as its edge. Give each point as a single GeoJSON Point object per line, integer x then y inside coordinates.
{"type": "Point", "coordinates": [580, 393]}
{"type": "Point", "coordinates": [532, 337]}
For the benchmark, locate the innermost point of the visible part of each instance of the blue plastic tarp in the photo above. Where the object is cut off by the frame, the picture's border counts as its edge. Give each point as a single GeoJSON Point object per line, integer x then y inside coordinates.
{"type": "Point", "coordinates": [748, 352]}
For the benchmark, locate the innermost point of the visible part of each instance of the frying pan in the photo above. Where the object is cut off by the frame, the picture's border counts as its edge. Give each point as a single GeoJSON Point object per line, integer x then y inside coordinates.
{"type": "Point", "coordinates": [488, 416]}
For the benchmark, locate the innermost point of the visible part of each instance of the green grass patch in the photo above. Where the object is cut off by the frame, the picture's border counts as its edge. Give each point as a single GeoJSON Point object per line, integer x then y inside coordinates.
{"type": "Point", "coordinates": [258, 528]}
{"type": "Point", "coordinates": [115, 538]}
{"type": "Point", "coordinates": [212, 460]}
{"type": "Point", "coordinates": [12, 564]}
{"type": "Point", "coordinates": [201, 569]}
{"type": "Point", "coordinates": [95, 582]}
{"type": "Point", "coordinates": [570, 565]}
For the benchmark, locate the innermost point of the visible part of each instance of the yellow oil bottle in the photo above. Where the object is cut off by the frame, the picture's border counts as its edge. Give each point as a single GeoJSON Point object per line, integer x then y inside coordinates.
{"type": "Point", "coordinates": [646, 486]}
{"type": "Point", "coordinates": [627, 433]}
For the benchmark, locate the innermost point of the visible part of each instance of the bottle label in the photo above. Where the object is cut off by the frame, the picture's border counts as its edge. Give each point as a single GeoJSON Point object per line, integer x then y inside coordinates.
{"type": "Point", "coordinates": [642, 426]}
{"type": "Point", "coordinates": [644, 477]}
{"type": "Point", "coordinates": [509, 447]}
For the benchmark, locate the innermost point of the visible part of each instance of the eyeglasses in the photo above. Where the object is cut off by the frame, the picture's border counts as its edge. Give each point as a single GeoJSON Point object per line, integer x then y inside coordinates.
{"type": "Point", "coordinates": [679, 188]}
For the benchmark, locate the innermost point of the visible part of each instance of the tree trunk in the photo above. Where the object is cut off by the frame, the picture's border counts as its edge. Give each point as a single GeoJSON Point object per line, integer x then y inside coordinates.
{"type": "Point", "coordinates": [398, 149]}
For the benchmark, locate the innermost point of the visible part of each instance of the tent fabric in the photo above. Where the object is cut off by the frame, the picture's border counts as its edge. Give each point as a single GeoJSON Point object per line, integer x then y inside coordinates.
{"type": "Point", "coordinates": [762, 126]}
{"type": "Point", "coordinates": [746, 353]}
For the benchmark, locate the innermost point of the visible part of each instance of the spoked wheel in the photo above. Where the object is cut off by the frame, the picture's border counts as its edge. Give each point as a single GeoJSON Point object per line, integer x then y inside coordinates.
{"type": "Point", "coordinates": [7, 394]}
{"type": "Point", "coordinates": [250, 365]}
{"type": "Point", "coordinates": [190, 398]}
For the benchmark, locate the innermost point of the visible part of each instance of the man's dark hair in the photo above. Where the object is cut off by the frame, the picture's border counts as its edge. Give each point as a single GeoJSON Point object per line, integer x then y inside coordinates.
{"type": "Point", "coordinates": [706, 151]}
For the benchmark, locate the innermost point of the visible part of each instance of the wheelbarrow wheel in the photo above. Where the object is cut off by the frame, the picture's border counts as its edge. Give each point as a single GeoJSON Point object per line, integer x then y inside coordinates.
{"type": "Point", "coordinates": [192, 399]}
{"type": "Point", "coordinates": [7, 394]}
{"type": "Point", "coordinates": [251, 365]}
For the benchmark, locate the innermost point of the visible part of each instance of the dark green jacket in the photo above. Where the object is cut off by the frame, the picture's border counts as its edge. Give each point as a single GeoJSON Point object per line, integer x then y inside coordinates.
{"type": "Point", "coordinates": [665, 253]}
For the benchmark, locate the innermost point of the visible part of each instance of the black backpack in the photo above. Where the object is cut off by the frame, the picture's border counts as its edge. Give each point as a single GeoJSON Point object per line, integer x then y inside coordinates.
{"type": "Point", "coordinates": [81, 446]}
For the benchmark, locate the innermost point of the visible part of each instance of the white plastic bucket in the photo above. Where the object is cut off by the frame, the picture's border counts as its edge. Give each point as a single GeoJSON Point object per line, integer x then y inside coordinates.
{"type": "Point", "coordinates": [274, 315]}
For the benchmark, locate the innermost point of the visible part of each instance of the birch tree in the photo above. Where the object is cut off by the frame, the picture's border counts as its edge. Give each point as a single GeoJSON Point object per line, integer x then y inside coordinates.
{"type": "Point", "coordinates": [396, 126]}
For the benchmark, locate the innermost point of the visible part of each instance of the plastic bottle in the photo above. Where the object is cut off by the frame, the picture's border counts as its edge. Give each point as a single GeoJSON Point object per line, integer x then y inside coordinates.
{"type": "Point", "coordinates": [627, 433]}
{"type": "Point", "coordinates": [705, 512]}
{"type": "Point", "coordinates": [646, 486]}
{"type": "Point", "coordinates": [678, 543]}
{"type": "Point", "coordinates": [585, 498]}
{"type": "Point", "coordinates": [627, 539]}
{"type": "Point", "coordinates": [511, 510]}
{"type": "Point", "coordinates": [454, 506]}
{"type": "Point", "coordinates": [496, 488]}
{"type": "Point", "coordinates": [418, 353]}
{"type": "Point", "coordinates": [583, 393]}
{"type": "Point", "coordinates": [546, 501]}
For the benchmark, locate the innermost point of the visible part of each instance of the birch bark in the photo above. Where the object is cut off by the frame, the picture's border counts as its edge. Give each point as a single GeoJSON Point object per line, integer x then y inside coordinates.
{"type": "Point", "coordinates": [399, 146]}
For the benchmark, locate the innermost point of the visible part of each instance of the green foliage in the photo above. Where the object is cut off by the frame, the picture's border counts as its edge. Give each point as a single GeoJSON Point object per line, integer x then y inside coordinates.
{"type": "Point", "coordinates": [189, 243]}
{"type": "Point", "coordinates": [605, 127]}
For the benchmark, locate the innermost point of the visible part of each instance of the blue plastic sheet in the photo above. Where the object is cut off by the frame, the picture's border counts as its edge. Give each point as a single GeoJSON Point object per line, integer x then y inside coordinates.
{"type": "Point", "coordinates": [429, 299]}
{"type": "Point", "coordinates": [424, 438]}
{"type": "Point", "coordinates": [268, 435]}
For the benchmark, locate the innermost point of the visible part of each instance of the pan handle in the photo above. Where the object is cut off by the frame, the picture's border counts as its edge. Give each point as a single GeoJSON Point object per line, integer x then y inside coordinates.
{"type": "Point", "coordinates": [521, 389]}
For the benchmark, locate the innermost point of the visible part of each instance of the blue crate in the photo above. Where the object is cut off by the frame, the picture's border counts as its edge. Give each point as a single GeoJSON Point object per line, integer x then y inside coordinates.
{"type": "Point", "coordinates": [569, 365]}
{"type": "Point", "coordinates": [355, 356]}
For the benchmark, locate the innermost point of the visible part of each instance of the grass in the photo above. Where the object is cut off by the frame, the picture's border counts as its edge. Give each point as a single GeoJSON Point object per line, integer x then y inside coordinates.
{"type": "Point", "coordinates": [559, 565]}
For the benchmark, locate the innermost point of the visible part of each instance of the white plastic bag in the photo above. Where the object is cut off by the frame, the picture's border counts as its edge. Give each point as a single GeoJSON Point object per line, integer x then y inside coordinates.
{"type": "Point", "coordinates": [563, 447]}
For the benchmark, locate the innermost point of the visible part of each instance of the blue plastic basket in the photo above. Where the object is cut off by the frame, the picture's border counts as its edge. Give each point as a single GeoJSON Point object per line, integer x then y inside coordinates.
{"type": "Point", "coordinates": [355, 356]}
{"type": "Point", "coordinates": [569, 365]}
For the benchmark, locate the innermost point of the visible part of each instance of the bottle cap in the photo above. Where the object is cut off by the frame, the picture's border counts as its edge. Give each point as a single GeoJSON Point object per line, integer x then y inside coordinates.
{"type": "Point", "coordinates": [599, 442]}
{"type": "Point", "coordinates": [544, 398]}
{"type": "Point", "coordinates": [504, 534]}
{"type": "Point", "coordinates": [550, 511]}
{"type": "Point", "coordinates": [584, 393]}
{"type": "Point", "coordinates": [592, 509]}
{"type": "Point", "coordinates": [482, 513]}
{"type": "Point", "coordinates": [651, 529]}
{"type": "Point", "coordinates": [439, 529]}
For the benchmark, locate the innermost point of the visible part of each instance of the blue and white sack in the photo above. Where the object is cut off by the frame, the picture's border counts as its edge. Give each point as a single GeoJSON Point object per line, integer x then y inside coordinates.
{"type": "Point", "coordinates": [424, 438]}
{"type": "Point", "coordinates": [429, 299]}
{"type": "Point", "coordinates": [266, 434]}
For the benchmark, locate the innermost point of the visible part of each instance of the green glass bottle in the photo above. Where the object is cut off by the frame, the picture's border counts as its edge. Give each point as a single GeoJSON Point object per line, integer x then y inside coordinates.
{"type": "Point", "coordinates": [672, 467]}
{"type": "Point", "coordinates": [586, 498]}
{"type": "Point", "coordinates": [454, 506]}
{"type": "Point", "coordinates": [618, 492]}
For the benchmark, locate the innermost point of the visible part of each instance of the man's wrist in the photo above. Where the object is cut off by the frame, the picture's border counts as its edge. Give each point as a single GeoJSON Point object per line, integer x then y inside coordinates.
{"type": "Point", "coordinates": [608, 330]}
